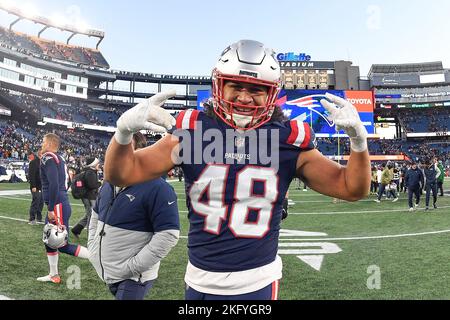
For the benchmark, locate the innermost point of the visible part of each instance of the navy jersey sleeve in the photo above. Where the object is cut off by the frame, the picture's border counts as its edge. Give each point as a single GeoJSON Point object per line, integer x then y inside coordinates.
{"type": "Point", "coordinates": [164, 211]}
{"type": "Point", "coordinates": [51, 171]}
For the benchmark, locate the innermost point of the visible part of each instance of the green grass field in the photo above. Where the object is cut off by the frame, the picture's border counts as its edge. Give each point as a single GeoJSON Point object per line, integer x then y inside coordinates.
{"type": "Point", "coordinates": [356, 242]}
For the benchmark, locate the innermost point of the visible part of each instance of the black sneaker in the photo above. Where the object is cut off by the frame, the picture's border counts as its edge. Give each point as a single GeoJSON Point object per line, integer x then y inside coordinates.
{"type": "Point", "coordinates": [435, 206]}
{"type": "Point", "coordinates": [426, 209]}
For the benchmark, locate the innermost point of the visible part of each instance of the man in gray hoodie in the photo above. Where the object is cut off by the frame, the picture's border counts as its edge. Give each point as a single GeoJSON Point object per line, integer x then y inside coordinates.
{"type": "Point", "coordinates": [131, 230]}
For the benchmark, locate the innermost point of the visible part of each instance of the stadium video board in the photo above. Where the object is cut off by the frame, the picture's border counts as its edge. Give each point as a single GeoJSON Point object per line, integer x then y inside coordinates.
{"type": "Point", "coordinates": [304, 105]}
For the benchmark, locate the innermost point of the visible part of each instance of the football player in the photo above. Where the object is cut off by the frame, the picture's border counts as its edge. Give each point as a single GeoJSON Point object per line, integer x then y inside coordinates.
{"type": "Point", "coordinates": [235, 200]}
{"type": "Point", "coordinates": [54, 191]}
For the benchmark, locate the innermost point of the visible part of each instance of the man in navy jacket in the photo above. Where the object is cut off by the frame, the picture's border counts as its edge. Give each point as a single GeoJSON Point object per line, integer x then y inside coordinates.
{"type": "Point", "coordinates": [131, 230]}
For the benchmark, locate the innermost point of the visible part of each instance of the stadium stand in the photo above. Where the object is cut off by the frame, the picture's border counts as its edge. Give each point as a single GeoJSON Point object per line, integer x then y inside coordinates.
{"type": "Point", "coordinates": [18, 140]}
{"type": "Point", "coordinates": [428, 120]}
{"type": "Point", "coordinates": [46, 48]}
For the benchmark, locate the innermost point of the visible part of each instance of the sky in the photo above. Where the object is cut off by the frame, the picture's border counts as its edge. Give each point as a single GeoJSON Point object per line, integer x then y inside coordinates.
{"type": "Point", "coordinates": [186, 37]}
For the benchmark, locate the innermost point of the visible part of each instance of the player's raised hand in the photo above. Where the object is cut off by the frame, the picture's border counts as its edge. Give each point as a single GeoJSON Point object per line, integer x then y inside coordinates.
{"type": "Point", "coordinates": [346, 117]}
{"type": "Point", "coordinates": [148, 115]}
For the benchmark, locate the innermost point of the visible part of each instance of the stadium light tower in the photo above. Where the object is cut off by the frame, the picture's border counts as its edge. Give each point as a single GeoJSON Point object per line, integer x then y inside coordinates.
{"type": "Point", "coordinates": [28, 11]}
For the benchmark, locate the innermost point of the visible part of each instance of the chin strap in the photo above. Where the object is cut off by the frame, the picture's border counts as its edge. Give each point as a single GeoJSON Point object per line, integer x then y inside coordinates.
{"type": "Point", "coordinates": [239, 120]}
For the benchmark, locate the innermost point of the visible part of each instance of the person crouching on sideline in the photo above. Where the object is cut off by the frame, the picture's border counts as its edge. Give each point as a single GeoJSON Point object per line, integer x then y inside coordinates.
{"type": "Point", "coordinates": [414, 182]}
{"type": "Point", "coordinates": [130, 231]}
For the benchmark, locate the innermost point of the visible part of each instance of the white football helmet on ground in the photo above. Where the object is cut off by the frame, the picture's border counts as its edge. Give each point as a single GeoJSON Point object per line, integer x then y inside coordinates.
{"type": "Point", "coordinates": [55, 236]}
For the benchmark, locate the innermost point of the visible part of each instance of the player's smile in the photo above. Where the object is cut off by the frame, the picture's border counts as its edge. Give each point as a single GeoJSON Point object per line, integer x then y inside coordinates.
{"type": "Point", "coordinates": [246, 98]}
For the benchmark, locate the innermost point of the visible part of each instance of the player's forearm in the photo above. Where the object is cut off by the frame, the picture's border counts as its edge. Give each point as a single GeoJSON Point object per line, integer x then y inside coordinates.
{"type": "Point", "coordinates": [357, 175]}
{"type": "Point", "coordinates": [119, 163]}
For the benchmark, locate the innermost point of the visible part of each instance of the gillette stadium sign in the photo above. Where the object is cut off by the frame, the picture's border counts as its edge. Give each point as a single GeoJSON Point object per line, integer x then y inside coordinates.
{"type": "Point", "coordinates": [301, 61]}
{"type": "Point", "coordinates": [291, 56]}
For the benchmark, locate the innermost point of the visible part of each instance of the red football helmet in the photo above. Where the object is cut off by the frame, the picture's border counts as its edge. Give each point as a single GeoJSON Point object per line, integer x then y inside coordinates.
{"type": "Point", "coordinates": [247, 62]}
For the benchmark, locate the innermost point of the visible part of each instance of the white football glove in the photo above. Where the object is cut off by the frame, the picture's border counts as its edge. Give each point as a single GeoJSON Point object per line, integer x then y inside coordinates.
{"type": "Point", "coordinates": [346, 118]}
{"type": "Point", "coordinates": [147, 115]}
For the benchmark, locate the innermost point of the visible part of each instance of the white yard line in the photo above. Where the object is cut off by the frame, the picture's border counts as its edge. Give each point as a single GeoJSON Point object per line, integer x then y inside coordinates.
{"type": "Point", "coordinates": [14, 192]}
{"type": "Point", "coordinates": [370, 237]}
{"type": "Point", "coordinates": [369, 211]}
{"type": "Point", "coordinates": [295, 213]}
{"type": "Point", "coordinates": [29, 199]}
{"type": "Point", "coordinates": [319, 239]}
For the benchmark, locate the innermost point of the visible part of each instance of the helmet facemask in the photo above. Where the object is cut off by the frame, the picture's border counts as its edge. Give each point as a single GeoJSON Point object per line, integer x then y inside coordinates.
{"type": "Point", "coordinates": [246, 62]}
{"type": "Point", "coordinates": [256, 116]}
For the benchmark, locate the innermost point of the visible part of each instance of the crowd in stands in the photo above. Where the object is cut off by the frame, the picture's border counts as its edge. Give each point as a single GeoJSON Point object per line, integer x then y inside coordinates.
{"type": "Point", "coordinates": [18, 140]}
{"type": "Point", "coordinates": [51, 49]}
{"type": "Point", "coordinates": [425, 120]}
{"type": "Point", "coordinates": [414, 150]}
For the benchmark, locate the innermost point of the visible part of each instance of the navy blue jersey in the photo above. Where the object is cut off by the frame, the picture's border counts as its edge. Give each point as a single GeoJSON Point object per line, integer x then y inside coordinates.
{"type": "Point", "coordinates": [54, 179]}
{"type": "Point", "coordinates": [234, 195]}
